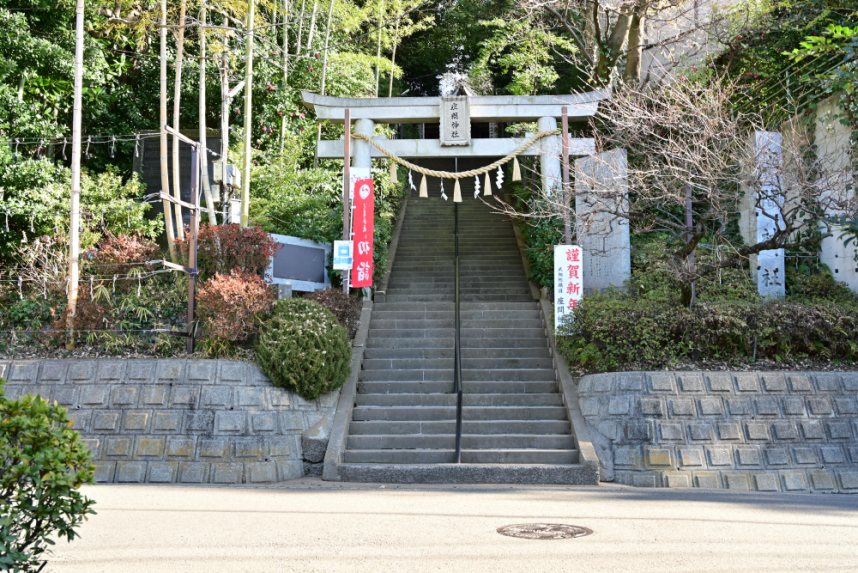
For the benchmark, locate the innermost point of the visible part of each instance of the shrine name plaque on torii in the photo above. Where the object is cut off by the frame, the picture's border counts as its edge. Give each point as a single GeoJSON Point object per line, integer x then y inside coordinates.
{"type": "Point", "coordinates": [544, 110]}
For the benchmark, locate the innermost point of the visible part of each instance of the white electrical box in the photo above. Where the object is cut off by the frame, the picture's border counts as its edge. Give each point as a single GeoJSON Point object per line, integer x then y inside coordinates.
{"type": "Point", "coordinates": [232, 177]}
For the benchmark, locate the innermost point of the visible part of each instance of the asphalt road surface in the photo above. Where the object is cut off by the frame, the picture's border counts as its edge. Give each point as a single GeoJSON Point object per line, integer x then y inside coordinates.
{"type": "Point", "coordinates": [311, 526]}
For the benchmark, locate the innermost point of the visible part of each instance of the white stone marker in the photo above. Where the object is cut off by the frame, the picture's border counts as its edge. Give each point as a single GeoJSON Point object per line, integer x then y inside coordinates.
{"type": "Point", "coordinates": [601, 187]}
{"type": "Point", "coordinates": [762, 214]}
{"type": "Point", "coordinates": [568, 283]}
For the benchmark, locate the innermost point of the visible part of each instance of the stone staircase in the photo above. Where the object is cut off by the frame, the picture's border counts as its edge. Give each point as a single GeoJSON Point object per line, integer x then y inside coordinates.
{"type": "Point", "coordinates": [515, 425]}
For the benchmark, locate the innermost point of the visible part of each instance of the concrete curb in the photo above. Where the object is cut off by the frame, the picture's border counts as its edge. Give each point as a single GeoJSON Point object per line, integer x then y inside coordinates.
{"type": "Point", "coordinates": [381, 293]}
{"type": "Point", "coordinates": [340, 428]}
{"type": "Point", "coordinates": [587, 456]}
{"type": "Point", "coordinates": [586, 452]}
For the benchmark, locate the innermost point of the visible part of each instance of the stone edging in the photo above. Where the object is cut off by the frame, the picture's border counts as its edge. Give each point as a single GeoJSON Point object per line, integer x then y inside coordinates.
{"type": "Point", "coordinates": [586, 452]}
{"type": "Point", "coordinates": [380, 294]}
{"type": "Point", "coordinates": [340, 428]}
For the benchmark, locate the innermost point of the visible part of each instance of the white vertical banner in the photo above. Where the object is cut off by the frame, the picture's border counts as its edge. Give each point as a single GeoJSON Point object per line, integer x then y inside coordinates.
{"type": "Point", "coordinates": [568, 283]}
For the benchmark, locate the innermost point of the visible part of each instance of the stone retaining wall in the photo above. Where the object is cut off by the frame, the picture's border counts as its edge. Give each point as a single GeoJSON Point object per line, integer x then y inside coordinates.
{"type": "Point", "coordinates": [176, 421]}
{"type": "Point", "coordinates": [768, 431]}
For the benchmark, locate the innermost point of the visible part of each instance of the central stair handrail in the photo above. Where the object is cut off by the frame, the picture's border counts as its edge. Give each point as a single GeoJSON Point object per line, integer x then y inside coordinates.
{"type": "Point", "coordinates": [457, 358]}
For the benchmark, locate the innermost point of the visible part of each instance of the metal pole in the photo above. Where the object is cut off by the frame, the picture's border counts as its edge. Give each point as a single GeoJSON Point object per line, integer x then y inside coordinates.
{"type": "Point", "coordinates": [248, 90]}
{"type": "Point", "coordinates": [457, 356]}
{"type": "Point", "coordinates": [567, 223]}
{"type": "Point", "coordinates": [192, 241]}
{"type": "Point", "coordinates": [347, 187]}
{"type": "Point", "coordinates": [74, 231]}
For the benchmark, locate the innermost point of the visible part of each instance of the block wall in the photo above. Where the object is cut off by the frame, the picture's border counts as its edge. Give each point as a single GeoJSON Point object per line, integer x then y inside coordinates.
{"type": "Point", "coordinates": [176, 421]}
{"type": "Point", "coordinates": [767, 431]}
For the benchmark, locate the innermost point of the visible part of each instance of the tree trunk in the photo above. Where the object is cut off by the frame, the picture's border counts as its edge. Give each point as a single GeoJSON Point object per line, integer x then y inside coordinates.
{"type": "Point", "coordinates": [312, 25]}
{"type": "Point", "coordinates": [165, 173]}
{"type": "Point", "coordinates": [324, 77]}
{"type": "Point", "coordinates": [248, 94]}
{"type": "Point", "coordinates": [285, 69]}
{"type": "Point", "coordinates": [224, 127]}
{"type": "Point", "coordinates": [378, 55]}
{"type": "Point", "coordinates": [635, 48]}
{"type": "Point", "coordinates": [177, 97]}
{"type": "Point", "coordinates": [74, 221]}
{"type": "Point", "coordinates": [393, 58]}
{"type": "Point", "coordinates": [204, 150]}
{"type": "Point", "coordinates": [300, 29]}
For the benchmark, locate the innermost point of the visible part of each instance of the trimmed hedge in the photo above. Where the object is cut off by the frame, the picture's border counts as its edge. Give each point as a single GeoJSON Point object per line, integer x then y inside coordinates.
{"type": "Point", "coordinates": [303, 347]}
{"type": "Point", "coordinates": [615, 332]}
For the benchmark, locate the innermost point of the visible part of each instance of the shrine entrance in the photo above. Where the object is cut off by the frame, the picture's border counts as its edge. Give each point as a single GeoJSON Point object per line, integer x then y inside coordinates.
{"type": "Point", "coordinates": [457, 382]}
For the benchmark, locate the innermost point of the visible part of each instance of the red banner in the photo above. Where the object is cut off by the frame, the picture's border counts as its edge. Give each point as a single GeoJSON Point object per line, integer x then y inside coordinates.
{"type": "Point", "coordinates": [362, 227]}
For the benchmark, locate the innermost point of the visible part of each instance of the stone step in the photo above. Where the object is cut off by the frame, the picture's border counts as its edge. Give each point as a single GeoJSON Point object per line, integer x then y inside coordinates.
{"type": "Point", "coordinates": [386, 400]}
{"type": "Point", "coordinates": [447, 362]}
{"type": "Point", "coordinates": [473, 413]}
{"type": "Point", "coordinates": [447, 456]}
{"type": "Point", "coordinates": [468, 374]}
{"type": "Point", "coordinates": [468, 427]}
{"type": "Point", "coordinates": [446, 387]}
{"type": "Point", "coordinates": [409, 343]}
{"type": "Point", "coordinates": [504, 343]}
{"type": "Point", "coordinates": [470, 473]}
{"type": "Point", "coordinates": [467, 353]}
{"type": "Point", "coordinates": [471, 442]}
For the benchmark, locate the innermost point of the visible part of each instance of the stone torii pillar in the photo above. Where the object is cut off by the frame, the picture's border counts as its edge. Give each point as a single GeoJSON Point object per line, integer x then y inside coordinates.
{"type": "Point", "coordinates": [549, 156]}
{"type": "Point", "coordinates": [362, 149]}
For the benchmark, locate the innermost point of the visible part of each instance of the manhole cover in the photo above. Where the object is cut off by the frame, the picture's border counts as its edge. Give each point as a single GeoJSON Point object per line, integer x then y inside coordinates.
{"type": "Point", "coordinates": [544, 531]}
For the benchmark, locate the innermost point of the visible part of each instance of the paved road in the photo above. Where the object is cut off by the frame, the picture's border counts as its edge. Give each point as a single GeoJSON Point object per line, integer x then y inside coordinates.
{"type": "Point", "coordinates": [309, 526]}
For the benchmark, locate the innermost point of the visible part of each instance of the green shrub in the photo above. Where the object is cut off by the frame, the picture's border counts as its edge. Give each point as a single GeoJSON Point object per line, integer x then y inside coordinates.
{"type": "Point", "coordinates": [304, 347]}
{"type": "Point", "coordinates": [345, 307]}
{"type": "Point", "coordinates": [617, 332]}
{"type": "Point", "coordinates": [44, 464]}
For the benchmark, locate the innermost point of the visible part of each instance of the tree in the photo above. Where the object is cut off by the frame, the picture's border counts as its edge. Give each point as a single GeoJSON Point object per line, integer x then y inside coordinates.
{"type": "Point", "coordinates": [686, 139]}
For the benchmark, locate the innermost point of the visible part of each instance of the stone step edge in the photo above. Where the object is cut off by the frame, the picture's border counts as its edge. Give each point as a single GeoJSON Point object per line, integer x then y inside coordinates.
{"type": "Point", "coordinates": [550, 474]}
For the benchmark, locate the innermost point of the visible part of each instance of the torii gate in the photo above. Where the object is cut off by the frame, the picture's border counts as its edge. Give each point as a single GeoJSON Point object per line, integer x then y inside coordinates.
{"type": "Point", "coordinates": [604, 242]}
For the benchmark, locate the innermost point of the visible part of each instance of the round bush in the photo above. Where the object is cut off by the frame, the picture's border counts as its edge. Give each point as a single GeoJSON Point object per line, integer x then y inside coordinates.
{"type": "Point", "coordinates": [302, 346]}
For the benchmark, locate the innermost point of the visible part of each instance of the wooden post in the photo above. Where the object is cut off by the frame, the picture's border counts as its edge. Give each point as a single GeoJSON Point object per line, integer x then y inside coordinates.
{"type": "Point", "coordinates": [567, 222]}
{"type": "Point", "coordinates": [165, 172]}
{"type": "Point", "coordinates": [689, 222]}
{"type": "Point", "coordinates": [74, 231]}
{"type": "Point", "coordinates": [192, 241]}
{"type": "Point", "coordinates": [347, 188]}
{"type": "Point", "coordinates": [248, 126]}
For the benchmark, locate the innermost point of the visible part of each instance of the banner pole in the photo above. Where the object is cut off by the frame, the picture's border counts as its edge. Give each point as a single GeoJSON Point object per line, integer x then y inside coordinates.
{"type": "Point", "coordinates": [346, 191]}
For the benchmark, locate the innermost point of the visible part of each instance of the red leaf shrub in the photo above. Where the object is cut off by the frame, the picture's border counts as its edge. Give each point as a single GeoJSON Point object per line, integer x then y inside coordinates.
{"type": "Point", "coordinates": [346, 308]}
{"type": "Point", "coordinates": [222, 248]}
{"type": "Point", "coordinates": [118, 254]}
{"type": "Point", "coordinates": [232, 306]}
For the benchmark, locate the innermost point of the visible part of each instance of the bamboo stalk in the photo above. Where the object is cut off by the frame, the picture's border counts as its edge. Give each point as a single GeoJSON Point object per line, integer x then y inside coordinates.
{"type": "Point", "coordinates": [248, 79]}
{"type": "Point", "coordinates": [74, 231]}
{"type": "Point", "coordinates": [165, 174]}
{"type": "Point", "coordinates": [177, 96]}
{"type": "Point", "coordinates": [204, 167]}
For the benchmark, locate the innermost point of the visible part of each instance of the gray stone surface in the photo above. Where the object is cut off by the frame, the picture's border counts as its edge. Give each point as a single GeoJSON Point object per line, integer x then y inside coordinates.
{"type": "Point", "coordinates": [314, 442]}
{"type": "Point", "coordinates": [178, 421]}
{"type": "Point", "coordinates": [601, 188]}
{"type": "Point", "coordinates": [768, 431]}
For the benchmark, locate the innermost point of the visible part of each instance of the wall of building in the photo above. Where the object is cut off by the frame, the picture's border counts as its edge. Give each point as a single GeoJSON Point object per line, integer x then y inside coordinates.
{"type": "Point", "coordinates": [176, 421]}
{"type": "Point", "coordinates": [767, 431]}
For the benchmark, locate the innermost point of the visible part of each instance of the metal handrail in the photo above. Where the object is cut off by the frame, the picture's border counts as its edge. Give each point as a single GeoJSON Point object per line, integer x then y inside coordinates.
{"type": "Point", "coordinates": [457, 358]}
